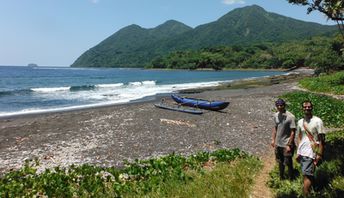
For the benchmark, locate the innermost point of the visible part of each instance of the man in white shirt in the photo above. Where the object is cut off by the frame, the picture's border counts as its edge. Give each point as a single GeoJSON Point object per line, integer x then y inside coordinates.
{"type": "Point", "coordinates": [311, 139]}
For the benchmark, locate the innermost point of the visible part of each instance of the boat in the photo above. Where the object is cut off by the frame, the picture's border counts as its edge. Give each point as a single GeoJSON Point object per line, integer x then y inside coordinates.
{"type": "Point", "coordinates": [200, 103]}
{"type": "Point", "coordinates": [178, 108]}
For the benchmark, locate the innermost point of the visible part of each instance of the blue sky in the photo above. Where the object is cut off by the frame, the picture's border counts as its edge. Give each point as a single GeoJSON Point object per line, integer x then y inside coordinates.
{"type": "Point", "coordinates": [57, 32]}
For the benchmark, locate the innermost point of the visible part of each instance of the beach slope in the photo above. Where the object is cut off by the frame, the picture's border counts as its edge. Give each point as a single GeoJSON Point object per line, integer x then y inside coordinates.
{"type": "Point", "coordinates": [107, 136]}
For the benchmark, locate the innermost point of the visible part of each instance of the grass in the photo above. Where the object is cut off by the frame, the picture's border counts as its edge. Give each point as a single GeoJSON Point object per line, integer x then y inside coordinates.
{"type": "Point", "coordinates": [333, 83]}
{"type": "Point", "coordinates": [329, 176]}
{"type": "Point", "coordinates": [230, 174]}
{"type": "Point", "coordinates": [330, 110]}
{"type": "Point", "coordinates": [223, 180]}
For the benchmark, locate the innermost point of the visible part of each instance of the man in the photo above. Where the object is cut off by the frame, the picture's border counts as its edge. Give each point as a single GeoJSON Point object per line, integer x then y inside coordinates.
{"type": "Point", "coordinates": [283, 134]}
{"type": "Point", "coordinates": [311, 139]}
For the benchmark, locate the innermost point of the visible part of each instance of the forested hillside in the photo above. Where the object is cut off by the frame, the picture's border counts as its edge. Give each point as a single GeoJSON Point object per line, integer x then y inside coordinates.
{"type": "Point", "coordinates": [131, 46]}
{"type": "Point", "coordinates": [134, 46]}
{"type": "Point", "coordinates": [319, 52]}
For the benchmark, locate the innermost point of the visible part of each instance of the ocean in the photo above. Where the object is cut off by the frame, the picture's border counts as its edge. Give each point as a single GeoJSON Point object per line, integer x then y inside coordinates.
{"type": "Point", "coordinates": [27, 90]}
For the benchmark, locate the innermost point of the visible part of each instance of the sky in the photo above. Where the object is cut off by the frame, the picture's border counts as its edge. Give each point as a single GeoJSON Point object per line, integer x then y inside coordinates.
{"type": "Point", "coordinates": [57, 32]}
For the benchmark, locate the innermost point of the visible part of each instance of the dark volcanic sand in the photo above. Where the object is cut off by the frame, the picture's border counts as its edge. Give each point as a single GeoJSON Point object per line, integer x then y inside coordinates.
{"type": "Point", "coordinates": [109, 135]}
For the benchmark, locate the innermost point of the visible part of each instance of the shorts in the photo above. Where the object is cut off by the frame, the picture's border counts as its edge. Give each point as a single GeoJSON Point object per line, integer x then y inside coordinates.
{"type": "Point", "coordinates": [307, 165]}
{"type": "Point", "coordinates": [282, 156]}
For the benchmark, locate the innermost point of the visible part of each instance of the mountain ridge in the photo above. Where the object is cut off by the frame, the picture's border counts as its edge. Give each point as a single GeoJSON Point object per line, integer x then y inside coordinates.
{"type": "Point", "coordinates": [134, 46]}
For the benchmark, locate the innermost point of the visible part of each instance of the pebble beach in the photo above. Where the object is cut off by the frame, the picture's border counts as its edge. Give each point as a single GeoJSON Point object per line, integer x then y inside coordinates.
{"type": "Point", "coordinates": [108, 136]}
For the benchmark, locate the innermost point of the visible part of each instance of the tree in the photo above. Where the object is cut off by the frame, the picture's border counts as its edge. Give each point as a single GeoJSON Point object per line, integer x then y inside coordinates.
{"type": "Point", "coordinates": [333, 9]}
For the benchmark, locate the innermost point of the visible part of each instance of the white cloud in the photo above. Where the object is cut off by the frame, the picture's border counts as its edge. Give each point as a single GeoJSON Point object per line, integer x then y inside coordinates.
{"type": "Point", "coordinates": [230, 2]}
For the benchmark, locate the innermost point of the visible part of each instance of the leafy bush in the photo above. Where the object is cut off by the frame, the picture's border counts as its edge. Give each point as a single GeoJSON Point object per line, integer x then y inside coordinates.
{"type": "Point", "coordinates": [338, 185]}
{"type": "Point", "coordinates": [333, 83]}
{"type": "Point", "coordinates": [330, 110]}
{"type": "Point", "coordinates": [334, 145]}
{"type": "Point", "coordinates": [329, 175]}
{"type": "Point", "coordinates": [136, 178]}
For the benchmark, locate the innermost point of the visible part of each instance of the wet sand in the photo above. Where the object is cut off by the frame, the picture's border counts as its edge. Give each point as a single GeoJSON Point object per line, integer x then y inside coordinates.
{"type": "Point", "coordinates": [106, 136]}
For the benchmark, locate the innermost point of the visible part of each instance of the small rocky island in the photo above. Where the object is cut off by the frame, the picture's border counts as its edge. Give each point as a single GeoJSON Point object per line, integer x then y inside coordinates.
{"type": "Point", "coordinates": [32, 65]}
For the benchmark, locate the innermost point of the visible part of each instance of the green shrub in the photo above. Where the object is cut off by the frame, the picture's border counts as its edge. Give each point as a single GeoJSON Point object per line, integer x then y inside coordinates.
{"type": "Point", "coordinates": [326, 172]}
{"type": "Point", "coordinates": [338, 185]}
{"type": "Point", "coordinates": [135, 179]}
{"type": "Point", "coordinates": [330, 110]}
{"type": "Point", "coordinates": [329, 175]}
{"type": "Point", "coordinates": [333, 83]}
{"type": "Point", "coordinates": [223, 180]}
{"type": "Point", "coordinates": [334, 145]}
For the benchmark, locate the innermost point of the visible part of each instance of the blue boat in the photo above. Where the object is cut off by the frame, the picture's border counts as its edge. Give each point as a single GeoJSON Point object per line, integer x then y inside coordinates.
{"type": "Point", "coordinates": [200, 103]}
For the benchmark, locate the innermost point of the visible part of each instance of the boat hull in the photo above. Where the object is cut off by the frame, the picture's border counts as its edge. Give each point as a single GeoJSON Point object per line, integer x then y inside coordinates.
{"type": "Point", "coordinates": [200, 103]}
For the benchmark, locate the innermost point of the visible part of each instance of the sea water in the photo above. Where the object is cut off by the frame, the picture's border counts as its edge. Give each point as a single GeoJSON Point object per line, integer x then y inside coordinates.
{"type": "Point", "coordinates": [26, 90]}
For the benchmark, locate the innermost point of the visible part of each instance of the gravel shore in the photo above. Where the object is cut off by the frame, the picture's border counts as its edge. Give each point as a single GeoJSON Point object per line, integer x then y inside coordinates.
{"type": "Point", "coordinates": [107, 136]}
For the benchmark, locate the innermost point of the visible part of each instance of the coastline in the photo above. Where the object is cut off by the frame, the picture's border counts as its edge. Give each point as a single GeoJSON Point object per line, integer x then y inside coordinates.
{"type": "Point", "coordinates": [33, 97]}
{"type": "Point", "coordinates": [233, 84]}
{"type": "Point", "coordinates": [107, 136]}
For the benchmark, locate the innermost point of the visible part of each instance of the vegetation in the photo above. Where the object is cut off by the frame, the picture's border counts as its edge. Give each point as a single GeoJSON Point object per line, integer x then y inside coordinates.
{"type": "Point", "coordinates": [333, 83]}
{"type": "Point", "coordinates": [322, 53]}
{"type": "Point", "coordinates": [330, 110]}
{"type": "Point", "coordinates": [134, 46]}
{"type": "Point", "coordinates": [329, 176]}
{"type": "Point", "coordinates": [169, 176]}
{"type": "Point", "coordinates": [130, 46]}
{"type": "Point", "coordinates": [224, 180]}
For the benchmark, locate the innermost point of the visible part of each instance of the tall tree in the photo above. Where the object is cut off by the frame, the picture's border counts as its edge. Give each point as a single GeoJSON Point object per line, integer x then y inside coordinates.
{"type": "Point", "coordinates": [333, 9]}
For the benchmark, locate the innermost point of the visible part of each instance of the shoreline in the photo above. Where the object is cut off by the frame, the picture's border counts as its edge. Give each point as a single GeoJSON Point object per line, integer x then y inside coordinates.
{"type": "Point", "coordinates": [107, 136]}
{"type": "Point", "coordinates": [38, 114]}
{"type": "Point", "coordinates": [233, 84]}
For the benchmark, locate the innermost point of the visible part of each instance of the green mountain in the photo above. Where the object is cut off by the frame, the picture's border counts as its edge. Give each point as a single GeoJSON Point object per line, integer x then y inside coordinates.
{"type": "Point", "coordinates": [134, 46]}
{"type": "Point", "coordinates": [131, 46]}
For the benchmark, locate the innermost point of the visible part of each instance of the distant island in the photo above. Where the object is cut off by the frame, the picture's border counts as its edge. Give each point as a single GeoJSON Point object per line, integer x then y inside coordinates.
{"type": "Point", "coordinates": [32, 65]}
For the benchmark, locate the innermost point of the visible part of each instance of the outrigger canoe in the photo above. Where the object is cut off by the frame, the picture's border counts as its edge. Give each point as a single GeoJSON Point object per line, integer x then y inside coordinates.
{"type": "Point", "coordinates": [178, 108]}
{"type": "Point", "coordinates": [200, 103]}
